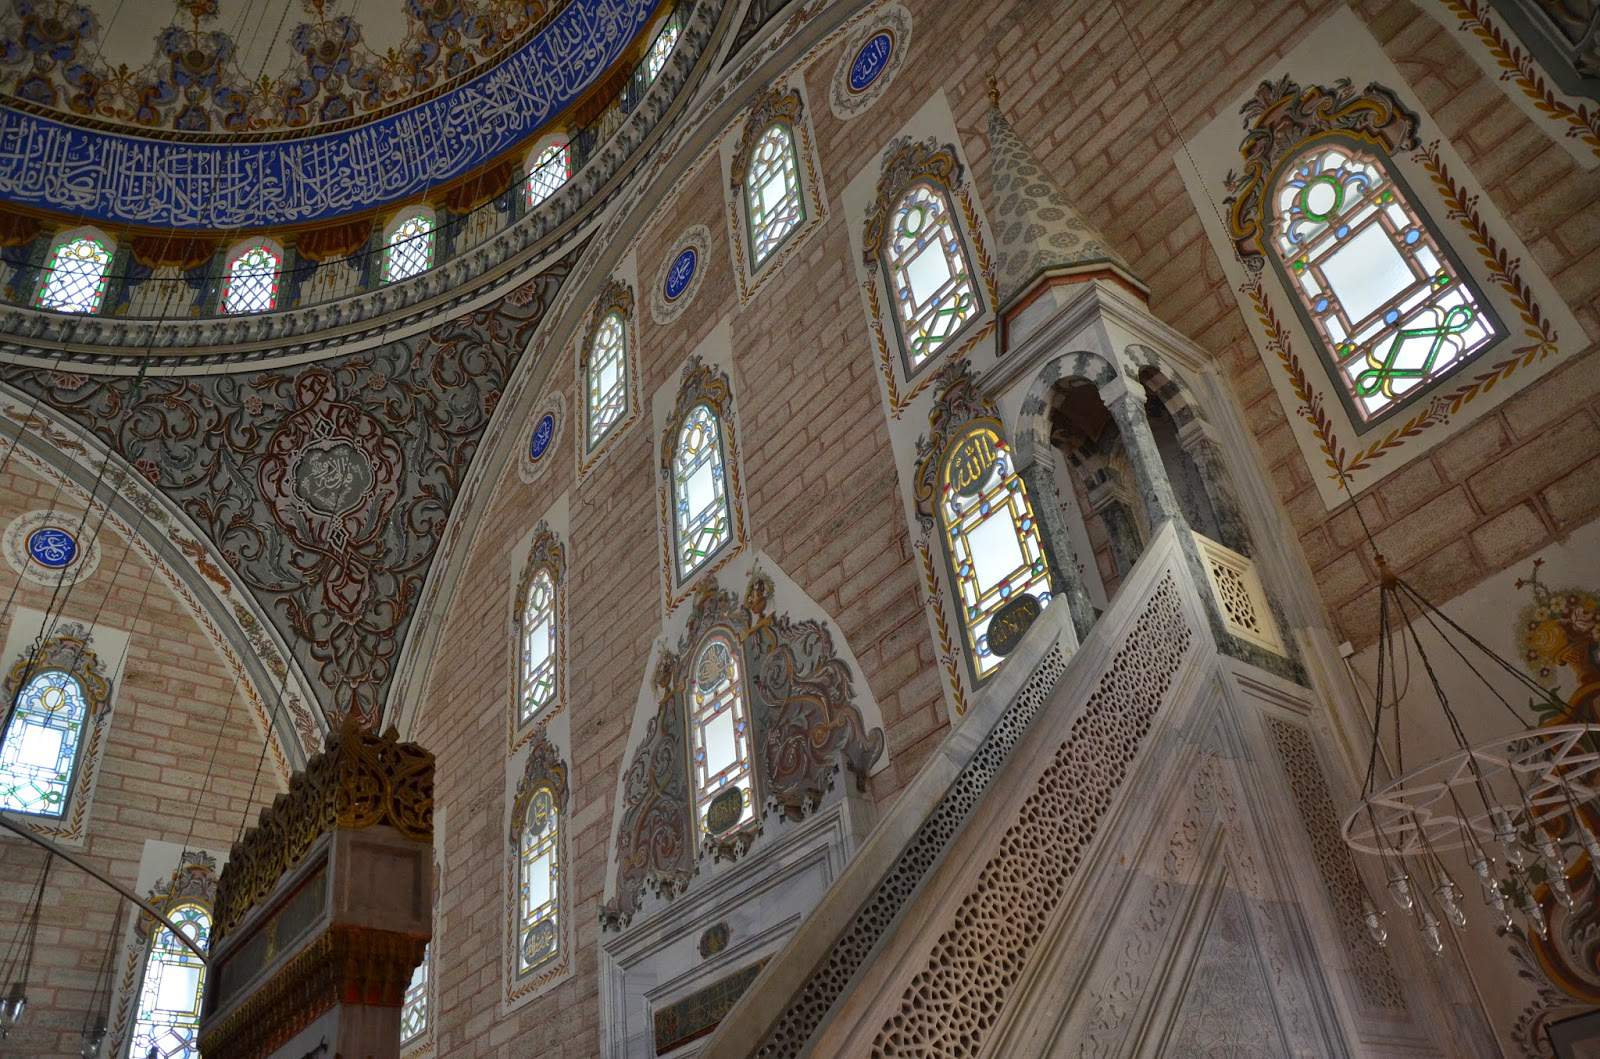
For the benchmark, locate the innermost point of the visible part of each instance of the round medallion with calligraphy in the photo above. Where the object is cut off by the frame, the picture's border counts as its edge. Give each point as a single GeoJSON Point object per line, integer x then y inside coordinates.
{"type": "Point", "coordinates": [725, 810]}
{"type": "Point", "coordinates": [681, 274]}
{"type": "Point", "coordinates": [1011, 623]}
{"type": "Point", "coordinates": [870, 61]}
{"type": "Point", "coordinates": [871, 58]}
{"type": "Point", "coordinates": [543, 434]}
{"type": "Point", "coordinates": [52, 547]}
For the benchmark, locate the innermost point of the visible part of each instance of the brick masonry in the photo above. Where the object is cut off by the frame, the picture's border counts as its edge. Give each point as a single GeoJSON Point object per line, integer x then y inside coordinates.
{"type": "Point", "coordinates": [182, 748]}
{"type": "Point", "coordinates": [822, 488]}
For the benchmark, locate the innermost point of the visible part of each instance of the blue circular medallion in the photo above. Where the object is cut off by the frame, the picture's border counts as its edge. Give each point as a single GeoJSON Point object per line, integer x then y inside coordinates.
{"type": "Point", "coordinates": [542, 435]}
{"type": "Point", "coordinates": [681, 273]}
{"type": "Point", "coordinates": [52, 548]}
{"type": "Point", "coordinates": [871, 61]}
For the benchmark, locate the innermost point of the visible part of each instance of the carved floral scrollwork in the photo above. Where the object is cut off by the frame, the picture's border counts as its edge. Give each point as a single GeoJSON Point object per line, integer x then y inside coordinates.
{"type": "Point", "coordinates": [906, 162]}
{"type": "Point", "coordinates": [617, 297]}
{"type": "Point", "coordinates": [805, 725]}
{"type": "Point", "coordinates": [776, 107]}
{"type": "Point", "coordinates": [1283, 117]}
{"type": "Point", "coordinates": [360, 780]}
{"type": "Point", "coordinates": [703, 384]}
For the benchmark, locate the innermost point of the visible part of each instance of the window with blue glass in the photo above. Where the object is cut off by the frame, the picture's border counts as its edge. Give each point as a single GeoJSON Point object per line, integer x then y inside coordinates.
{"type": "Point", "coordinates": [42, 744]}
{"type": "Point", "coordinates": [992, 540]}
{"type": "Point", "coordinates": [928, 273]}
{"type": "Point", "coordinates": [168, 1023]}
{"type": "Point", "coordinates": [774, 205]}
{"type": "Point", "coordinates": [702, 520]}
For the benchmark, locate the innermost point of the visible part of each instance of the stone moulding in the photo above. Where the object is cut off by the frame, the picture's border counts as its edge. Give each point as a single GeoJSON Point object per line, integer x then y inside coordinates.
{"type": "Point", "coordinates": [360, 780]}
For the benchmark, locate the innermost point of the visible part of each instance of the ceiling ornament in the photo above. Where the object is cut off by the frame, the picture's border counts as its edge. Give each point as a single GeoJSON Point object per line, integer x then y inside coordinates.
{"type": "Point", "coordinates": [326, 489]}
{"type": "Point", "coordinates": [349, 131]}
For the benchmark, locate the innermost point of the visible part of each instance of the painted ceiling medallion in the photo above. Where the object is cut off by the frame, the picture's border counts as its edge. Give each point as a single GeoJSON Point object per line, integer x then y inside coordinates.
{"type": "Point", "coordinates": [872, 56]}
{"type": "Point", "coordinates": [681, 271]}
{"type": "Point", "coordinates": [52, 547]}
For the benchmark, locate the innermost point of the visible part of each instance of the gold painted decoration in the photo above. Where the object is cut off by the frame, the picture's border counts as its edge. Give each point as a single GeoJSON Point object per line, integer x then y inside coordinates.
{"type": "Point", "coordinates": [907, 162]}
{"type": "Point", "coordinates": [617, 297]}
{"type": "Point", "coordinates": [958, 403]}
{"type": "Point", "coordinates": [775, 108]}
{"type": "Point", "coordinates": [360, 780]}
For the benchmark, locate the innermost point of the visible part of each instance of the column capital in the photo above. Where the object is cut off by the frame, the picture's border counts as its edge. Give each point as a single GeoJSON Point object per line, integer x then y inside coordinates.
{"type": "Point", "coordinates": [1119, 387]}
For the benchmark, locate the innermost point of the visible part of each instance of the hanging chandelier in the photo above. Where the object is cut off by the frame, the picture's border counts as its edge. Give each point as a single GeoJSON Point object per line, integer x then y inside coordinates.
{"type": "Point", "coordinates": [1520, 809]}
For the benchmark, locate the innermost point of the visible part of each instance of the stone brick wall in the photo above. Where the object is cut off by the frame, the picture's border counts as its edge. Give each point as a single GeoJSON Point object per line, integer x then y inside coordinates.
{"type": "Point", "coordinates": [821, 481]}
{"type": "Point", "coordinates": [175, 716]}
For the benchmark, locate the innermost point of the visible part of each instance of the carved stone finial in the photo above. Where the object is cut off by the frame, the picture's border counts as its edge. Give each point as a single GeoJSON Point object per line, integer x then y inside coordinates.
{"type": "Point", "coordinates": [994, 91]}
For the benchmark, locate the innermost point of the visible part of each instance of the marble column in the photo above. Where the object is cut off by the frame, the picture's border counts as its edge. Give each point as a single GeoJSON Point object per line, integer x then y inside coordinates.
{"type": "Point", "coordinates": [1125, 401]}
{"type": "Point", "coordinates": [1064, 577]}
{"type": "Point", "coordinates": [1208, 462]}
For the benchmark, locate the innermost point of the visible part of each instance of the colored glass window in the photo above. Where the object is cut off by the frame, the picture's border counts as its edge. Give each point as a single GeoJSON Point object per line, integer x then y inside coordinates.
{"type": "Point", "coordinates": [414, 1006]}
{"type": "Point", "coordinates": [168, 1024]}
{"type": "Point", "coordinates": [660, 50]}
{"type": "Point", "coordinates": [990, 533]}
{"type": "Point", "coordinates": [930, 278]}
{"type": "Point", "coordinates": [538, 646]}
{"type": "Point", "coordinates": [1392, 309]}
{"type": "Point", "coordinates": [252, 283]}
{"type": "Point", "coordinates": [539, 883]}
{"type": "Point", "coordinates": [551, 168]}
{"type": "Point", "coordinates": [720, 729]}
{"type": "Point", "coordinates": [39, 756]}
{"type": "Point", "coordinates": [702, 521]}
{"type": "Point", "coordinates": [410, 248]}
{"type": "Point", "coordinates": [608, 377]}
{"type": "Point", "coordinates": [75, 276]}
{"type": "Point", "coordinates": [774, 205]}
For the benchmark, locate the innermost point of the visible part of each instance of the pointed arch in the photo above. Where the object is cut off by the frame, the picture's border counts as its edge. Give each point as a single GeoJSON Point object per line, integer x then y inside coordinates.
{"type": "Point", "coordinates": [168, 1020]}
{"type": "Point", "coordinates": [538, 929]}
{"type": "Point", "coordinates": [775, 206]}
{"type": "Point", "coordinates": [702, 519]}
{"type": "Point", "coordinates": [606, 366]}
{"type": "Point", "coordinates": [541, 627]}
{"type": "Point", "coordinates": [720, 758]}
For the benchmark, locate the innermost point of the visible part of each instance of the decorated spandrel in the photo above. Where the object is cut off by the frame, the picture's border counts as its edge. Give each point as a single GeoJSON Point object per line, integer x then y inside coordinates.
{"type": "Point", "coordinates": [252, 282]}
{"type": "Point", "coordinates": [550, 169]}
{"type": "Point", "coordinates": [607, 383]}
{"type": "Point", "coordinates": [773, 201]}
{"type": "Point", "coordinates": [539, 883]}
{"type": "Point", "coordinates": [702, 521]}
{"type": "Point", "coordinates": [930, 278]}
{"type": "Point", "coordinates": [538, 647]}
{"type": "Point", "coordinates": [995, 551]}
{"type": "Point", "coordinates": [39, 756]}
{"type": "Point", "coordinates": [168, 1023]}
{"type": "Point", "coordinates": [410, 249]}
{"type": "Point", "coordinates": [75, 277]}
{"type": "Point", "coordinates": [720, 733]}
{"type": "Point", "coordinates": [1393, 311]}
{"type": "Point", "coordinates": [414, 1005]}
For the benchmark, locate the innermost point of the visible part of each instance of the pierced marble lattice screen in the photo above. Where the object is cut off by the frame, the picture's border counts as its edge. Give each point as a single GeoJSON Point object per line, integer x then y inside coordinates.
{"type": "Point", "coordinates": [1371, 971]}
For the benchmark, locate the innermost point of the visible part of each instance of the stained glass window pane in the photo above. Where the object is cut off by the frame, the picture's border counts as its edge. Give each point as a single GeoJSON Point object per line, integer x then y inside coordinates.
{"type": "Point", "coordinates": [774, 205]}
{"type": "Point", "coordinates": [39, 754]}
{"type": "Point", "coordinates": [410, 249]}
{"type": "Point", "coordinates": [660, 50]}
{"type": "Point", "coordinates": [252, 283]}
{"type": "Point", "coordinates": [1393, 314]}
{"type": "Point", "coordinates": [551, 168]}
{"type": "Point", "coordinates": [168, 1023]}
{"type": "Point", "coordinates": [608, 377]}
{"type": "Point", "coordinates": [720, 727]}
{"type": "Point", "coordinates": [414, 1007]}
{"type": "Point", "coordinates": [993, 542]}
{"type": "Point", "coordinates": [702, 521]}
{"type": "Point", "coordinates": [75, 277]}
{"type": "Point", "coordinates": [539, 883]}
{"type": "Point", "coordinates": [930, 278]}
{"type": "Point", "coordinates": [538, 646]}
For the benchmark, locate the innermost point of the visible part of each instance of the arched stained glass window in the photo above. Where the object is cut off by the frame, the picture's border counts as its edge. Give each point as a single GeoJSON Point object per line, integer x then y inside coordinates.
{"type": "Point", "coordinates": [75, 276]}
{"type": "Point", "coordinates": [608, 376]}
{"type": "Point", "coordinates": [414, 1006]}
{"type": "Point", "coordinates": [773, 203]}
{"type": "Point", "coordinates": [550, 168]}
{"type": "Point", "coordinates": [1393, 309]}
{"type": "Point", "coordinates": [992, 539]}
{"type": "Point", "coordinates": [539, 883]}
{"type": "Point", "coordinates": [929, 274]}
{"type": "Point", "coordinates": [409, 249]}
{"type": "Point", "coordinates": [251, 285]}
{"type": "Point", "coordinates": [720, 732]}
{"type": "Point", "coordinates": [701, 519]}
{"type": "Point", "coordinates": [661, 49]}
{"type": "Point", "coordinates": [39, 755]}
{"type": "Point", "coordinates": [538, 646]}
{"type": "Point", "coordinates": [168, 1023]}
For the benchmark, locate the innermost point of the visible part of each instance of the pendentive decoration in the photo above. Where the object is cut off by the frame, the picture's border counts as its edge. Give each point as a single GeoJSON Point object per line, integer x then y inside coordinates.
{"type": "Point", "coordinates": [805, 726]}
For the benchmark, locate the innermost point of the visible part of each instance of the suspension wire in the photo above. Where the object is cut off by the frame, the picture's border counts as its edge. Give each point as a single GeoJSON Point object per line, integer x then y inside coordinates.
{"type": "Point", "coordinates": [30, 928]}
{"type": "Point", "coordinates": [216, 748]}
{"type": "Point", "coordinates": [244, 814]}
{"type": "Point", "coordinates": [12, 949]}
{"type": "Point", "coordinates": [103, 978]}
